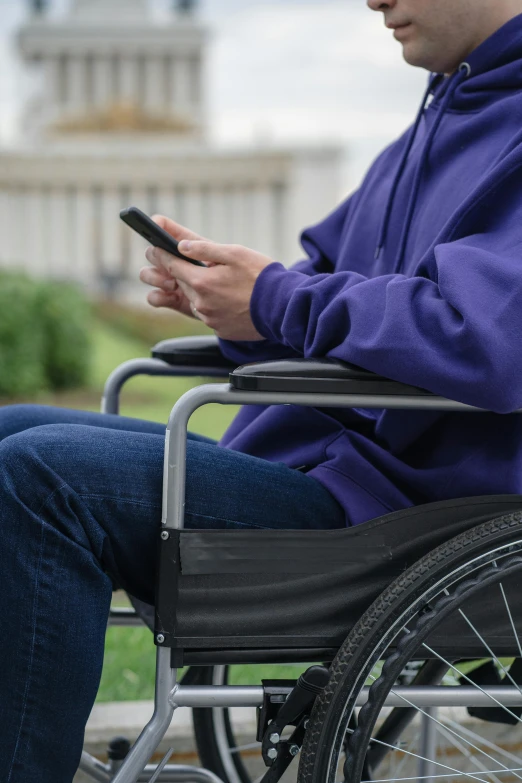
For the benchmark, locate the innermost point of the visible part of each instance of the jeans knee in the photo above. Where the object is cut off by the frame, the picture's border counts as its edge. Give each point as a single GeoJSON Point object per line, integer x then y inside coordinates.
{"type": "Point", "coordinates": [26, 461]}
{"type": "Point", "coordinates": [16, 454]}
{"type": "Point", "coordinates": [16, 418]}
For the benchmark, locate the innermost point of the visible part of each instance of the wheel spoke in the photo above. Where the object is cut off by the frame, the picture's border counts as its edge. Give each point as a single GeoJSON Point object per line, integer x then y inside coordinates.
{"type": "Point", "coordinates": [405, 759]}
{"type": "Point", "coordinates": [241, 748]}
{"type": "Point", "coordinates": [515, 634]}
{"type": "Point", "coordinates": [462, 675]}
{"type": "Point", "coordinates": [483, 740]}
{"type": "Point", "coordinates": [446, 775]}
{"type": "Point", "coordinates": [470, 757]}
{"type": "Point", "coordinates": [423, 758]}
{"type": "Point", "coordinates": [488, 648]}
{"type": "Point", "coordinates": [438, 722]}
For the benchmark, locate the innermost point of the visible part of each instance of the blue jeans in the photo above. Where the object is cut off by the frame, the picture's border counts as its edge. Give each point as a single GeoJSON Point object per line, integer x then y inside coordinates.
{"type": "Point", "coordinates": [80, 504]}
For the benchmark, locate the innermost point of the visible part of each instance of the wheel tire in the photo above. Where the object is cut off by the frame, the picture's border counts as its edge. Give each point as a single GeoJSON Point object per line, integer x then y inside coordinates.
{"type": "Point", "coordinates": [368, 637]}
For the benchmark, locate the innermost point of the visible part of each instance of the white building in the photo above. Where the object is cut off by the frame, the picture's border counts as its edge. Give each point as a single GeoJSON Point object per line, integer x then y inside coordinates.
{"type": "Point", "coordinates": [117, 118]}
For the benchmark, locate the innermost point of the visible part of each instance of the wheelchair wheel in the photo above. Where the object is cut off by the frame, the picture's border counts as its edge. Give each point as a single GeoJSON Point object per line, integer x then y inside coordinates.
{"type": "Point", "coordinates": [453, 619]}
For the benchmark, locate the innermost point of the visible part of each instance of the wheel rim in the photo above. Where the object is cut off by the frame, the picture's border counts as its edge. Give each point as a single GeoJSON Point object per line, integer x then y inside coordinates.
{"type": "Point", "coordinates": [470, 579]}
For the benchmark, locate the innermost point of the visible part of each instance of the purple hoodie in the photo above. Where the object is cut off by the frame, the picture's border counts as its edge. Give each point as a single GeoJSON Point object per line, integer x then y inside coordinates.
{"type": "Point", "coordinates": [417, 277]}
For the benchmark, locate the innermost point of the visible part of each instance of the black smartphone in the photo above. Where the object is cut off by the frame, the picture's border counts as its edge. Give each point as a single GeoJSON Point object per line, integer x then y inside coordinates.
{"type": "Point", "coordinates": [150, 231]}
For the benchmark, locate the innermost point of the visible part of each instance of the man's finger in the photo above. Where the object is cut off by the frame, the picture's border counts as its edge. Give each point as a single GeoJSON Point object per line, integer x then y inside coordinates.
{"type": "Point", "coordinates": [176, 267]}
{"type": "Point", "coordinates": [163, 299]}
{"type": "Point", "coordinates": [157, 278]}
{"type": "Point", "coordinates": [208, 252]}
{"type": "Point", "coordinates": [176, 230]}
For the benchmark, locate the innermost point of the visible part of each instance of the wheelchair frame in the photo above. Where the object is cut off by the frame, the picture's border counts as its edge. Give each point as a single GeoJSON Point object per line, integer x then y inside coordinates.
{"type": "Point", "coordinates": [169, 695]}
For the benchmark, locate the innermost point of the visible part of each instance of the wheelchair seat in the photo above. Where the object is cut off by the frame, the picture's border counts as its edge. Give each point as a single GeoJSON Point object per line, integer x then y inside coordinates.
{"type": "Point", "coordinates": [273, 596]}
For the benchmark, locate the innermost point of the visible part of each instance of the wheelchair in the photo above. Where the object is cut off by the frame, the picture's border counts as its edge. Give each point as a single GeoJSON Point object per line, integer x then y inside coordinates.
{"type": "Point", "coordinates": [409, 627]}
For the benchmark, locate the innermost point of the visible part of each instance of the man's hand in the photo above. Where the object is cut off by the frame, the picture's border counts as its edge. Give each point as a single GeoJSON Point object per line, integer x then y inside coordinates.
{"type": "Point", "coordinates": [218, 295]}
{"type": "Point", "coordinates": [167, 293]}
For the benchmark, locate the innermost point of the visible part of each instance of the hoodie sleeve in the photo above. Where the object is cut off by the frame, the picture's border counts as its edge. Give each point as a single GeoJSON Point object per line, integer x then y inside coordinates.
{"type": "Point", "coordinates": [321, 260]}
{"type": "Point", "coordinates": [454, 329]}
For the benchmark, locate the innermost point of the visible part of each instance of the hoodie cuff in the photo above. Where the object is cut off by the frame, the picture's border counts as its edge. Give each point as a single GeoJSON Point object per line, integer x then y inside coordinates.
{"type": "Point", "coordinates": [271, 296]}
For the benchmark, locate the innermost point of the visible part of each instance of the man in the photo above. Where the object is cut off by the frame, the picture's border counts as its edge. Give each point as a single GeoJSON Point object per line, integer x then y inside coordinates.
{"type": "Point", "coordinates": [418, 277]}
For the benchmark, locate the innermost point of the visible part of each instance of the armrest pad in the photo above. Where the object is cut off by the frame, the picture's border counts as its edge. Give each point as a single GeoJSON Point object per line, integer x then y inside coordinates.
{"type": "Point", "coordinates": [316, 376]}
{"type": "Point", "coordinates": [201, 351]}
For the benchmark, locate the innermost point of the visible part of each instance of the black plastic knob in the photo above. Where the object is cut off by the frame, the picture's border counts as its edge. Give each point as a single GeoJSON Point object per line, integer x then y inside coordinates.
{"type": "Point", "coordinates": [118, 748]}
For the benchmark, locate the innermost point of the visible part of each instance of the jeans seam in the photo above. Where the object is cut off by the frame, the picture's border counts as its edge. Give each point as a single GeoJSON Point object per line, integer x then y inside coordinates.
{"type": "Point", "coordinates": [48, 498]}
{"type": "Point", "coordinates": [31, 657]}
{"type": "Point", "coordinates": [35, 603]}
{"type": "Point", "coordinates": [119, 499]}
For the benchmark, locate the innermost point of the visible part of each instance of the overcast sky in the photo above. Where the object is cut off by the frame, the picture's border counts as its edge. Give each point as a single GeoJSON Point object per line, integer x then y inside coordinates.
{"type": "Point", "coordinates": [283, 71]}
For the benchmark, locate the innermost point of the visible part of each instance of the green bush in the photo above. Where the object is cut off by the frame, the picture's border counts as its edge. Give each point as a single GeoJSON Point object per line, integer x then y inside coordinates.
{"type": "Point", "coordinates": [44, 336]}
{"type": "Point", "coordinates": [22, 341]}
{"type": "Point", "coordinates": [65, 319]}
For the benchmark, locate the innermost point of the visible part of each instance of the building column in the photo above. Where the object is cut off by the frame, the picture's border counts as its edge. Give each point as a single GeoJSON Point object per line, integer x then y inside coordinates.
{"type": "Point", "coordinates": [52, 66]}
{"type": "Point", "coordinates": [84, 237]}
{"type": "Point", "coordinates": [195, 68]}
{"type": "Point", "coordinates": [168, 203]}
{"type": "Point", "coordinates": [59, 228]}
{"type": "Point", "coordinates": [194, 217]}
{"type": "Point", "coordinates": [8, 222]}
{"type": "Point", "coordinates": [181, 100]}
{"type": "Point", "coordinates": [138, 245]}
{"type": "Point", "coordinates": [263, 221]}
{"type": "Point", "coordinates": [242, 215]}
{"type": "Point", "coordinates": [77, 83]}
{"type": "Point", "coordinates": [129, 80]}
{"type": "Point", "coordinates": [111, 236]}
{"type": "Point", "coordinates": [36, 263]}
{"type": "Point", "coordinates": [279, 209]}
{"type": "Point", "coordinates": [155, 99]}
{"type": "Point", "coordinates": [219, 224]}
{"type": "Point", "coordinates": [102, 81]}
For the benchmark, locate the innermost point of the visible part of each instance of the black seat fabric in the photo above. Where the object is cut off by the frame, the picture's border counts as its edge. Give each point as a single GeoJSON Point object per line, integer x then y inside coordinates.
{"type": "Point", "coordinates": [284, 589]}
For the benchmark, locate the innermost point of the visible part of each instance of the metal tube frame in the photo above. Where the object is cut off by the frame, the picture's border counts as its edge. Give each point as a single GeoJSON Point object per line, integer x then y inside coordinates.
{"type": "Point", "coordinates": [172, 773]}
{"type": "Point", "coordinates": [152, 367]}
{"type": "Point", "coordinates": [197, 696]}
{"type": "Point", "coordinates": [168, 695]}
{"type": "Point", "coordinates": [427, 766]}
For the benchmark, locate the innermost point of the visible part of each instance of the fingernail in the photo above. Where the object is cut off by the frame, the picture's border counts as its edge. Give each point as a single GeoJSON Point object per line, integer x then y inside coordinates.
{"type": "Point", "coordinates": [185, 245]}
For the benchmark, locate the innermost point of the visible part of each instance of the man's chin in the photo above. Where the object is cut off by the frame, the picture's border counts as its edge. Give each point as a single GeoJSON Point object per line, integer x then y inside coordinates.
{"type": "Point", "coordinates": [414, 56]}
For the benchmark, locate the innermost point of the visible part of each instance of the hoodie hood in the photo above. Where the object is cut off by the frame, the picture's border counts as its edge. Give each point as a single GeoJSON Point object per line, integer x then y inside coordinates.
{"type": "Point", "coordinates": [495, 62]}
{"type": "Point", "coordinates": [496, 69]}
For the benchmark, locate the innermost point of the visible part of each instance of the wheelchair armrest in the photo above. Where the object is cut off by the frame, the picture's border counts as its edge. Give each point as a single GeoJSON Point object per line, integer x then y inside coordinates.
{"type": "Point", "coordinates": [316, 376]}
{"type": "Point", "coordinates": [201, 351]}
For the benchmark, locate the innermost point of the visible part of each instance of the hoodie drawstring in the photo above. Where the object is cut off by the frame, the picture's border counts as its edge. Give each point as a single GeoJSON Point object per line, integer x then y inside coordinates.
{"type": "Point", "coordinates": [463, 73]}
